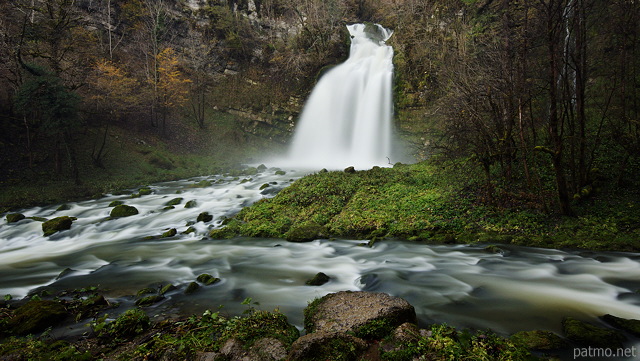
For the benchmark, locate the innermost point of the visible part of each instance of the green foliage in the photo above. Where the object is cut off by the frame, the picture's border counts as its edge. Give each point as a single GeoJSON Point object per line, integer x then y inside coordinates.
{"type": "Point", "coordinates": [128, 325]}
{"type": "Point", "coordinates": [30, 348]}
{"type": "Point", "coordinates": [48, 103]}
{"type": "Point", "coordinates": [446, 343]}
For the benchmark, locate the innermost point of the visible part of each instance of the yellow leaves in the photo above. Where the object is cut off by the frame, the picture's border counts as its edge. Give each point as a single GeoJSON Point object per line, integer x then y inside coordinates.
{"type": "Point", "coordinates": [113, 85]}
{"type": "Point", "coordinates": [172, 85]}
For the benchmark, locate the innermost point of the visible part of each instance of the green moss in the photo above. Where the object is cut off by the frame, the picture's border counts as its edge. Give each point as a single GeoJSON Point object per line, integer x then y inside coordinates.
{"type": "Point", "coordinates": [123, 210]}
{"type": "Point", "coordinates": [375, 330]}
{"type": "Point", "coordinates": [586, 334]}
{"type": "Point", "coordinates": [63, 207]}
{"type": "Point", "coordinates": [204, 217]}
{"type": "Point", "coordinates": [207, 279]}
{"type": "Point", "coordinates": [144, 191]}
{"type": "Point", "coordinates": [149, 300]}
{"type": "Point", "coordinates": [57, 224]}
{"type": "Point", "coordinates": [318, 280]}
{"type": "Point", "coordinates": [191, 204]}
{"type": "Point", "coordinates": [310, 312]}
{"type": "Point", "coordinates": [14, 217]}
{"type": "Point", "coordinates": [115, 203]}
{"type": "Point", "coordinates": [191, 288]}
{"type": "Point", "coordinates": [167, 288]}
{"type": "Point", "coordinates": [539, 340]}
{"type": "Point", "coordinates": [170, 233]}
{"type": "Point", "coordinates": [631, 326]}
{"type": "Point", "coordinates": [145, 291]}
{"type": "Point", "coordinates": [306, 232]}
{"type": "Point", "coordinates": [174, 202]}
{"type": "Point", "coordinates": [36, 315]}
{"type": "Point", "coordinates": [128, 325]}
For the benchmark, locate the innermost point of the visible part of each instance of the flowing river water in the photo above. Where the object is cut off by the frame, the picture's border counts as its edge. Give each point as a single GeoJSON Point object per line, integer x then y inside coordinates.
{"type": "Point", "coordinates": [465, 286]}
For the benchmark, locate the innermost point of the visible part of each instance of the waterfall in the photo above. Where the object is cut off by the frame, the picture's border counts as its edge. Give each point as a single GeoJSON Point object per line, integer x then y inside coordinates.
{"type": "Point", "coordinates": [347, 118]}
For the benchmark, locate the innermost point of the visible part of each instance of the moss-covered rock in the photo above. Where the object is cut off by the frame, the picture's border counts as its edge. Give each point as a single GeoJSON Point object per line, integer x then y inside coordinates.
{"type": "Point", "coordinates": [322, 346]}
{"type": "Point", "coordinates": [318, 280]}
{"type": "Point", "coordinates": [190, 229]}
{"type": "Point", "coordinates": [207, 279]}
{"type": "Point", "coordinates": [36, 316]}
{"type": "Point", "coordinates": [306, 232]}
{"type": "Point", "coordinates": [191, 288]}
{"type": "Point", "coordinates": [57, 224]}
{"type": "Point", "coordinates": [191, 204]}
{"type": "Point", "coordinates": [629, 325]}
{"type": "Point", "coordinates": [144, 191]}
{"type": "Point", "coordinates": [539, 340]}
{"type": "Point", "coordinates": [123, 210]}
{"type": "Point", "coordinates": [174, 202]}
{"type": "Point", "coordinates": [350, 170]}
{"type": "Point", "coordinates": [149, 300]}
{"type": "Point", "coordinates": [170, 233]}
{"type": "Point", "coordinates": [586, 334]}
{"type": "Point", "coordinates": [145, 291]}
{"type": "Point", "coordinates": [63, 207]}
{"type": "Point", "coordinates": [167, 288]}
{"type": "Point", "coordinates": [14, 217]}
{"type": "Point", "coordinates": [115, 203]}
{"type": "Point", "coordinates": [280, 172]}
{"type": "Point", "coordinates": [204, 217]}
{"type": "Point", "coordinates": [128, 325]}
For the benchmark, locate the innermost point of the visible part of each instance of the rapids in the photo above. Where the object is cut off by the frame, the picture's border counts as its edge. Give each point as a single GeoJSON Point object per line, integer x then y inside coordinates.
{"type": "Point", "coordinates": [466, 286]}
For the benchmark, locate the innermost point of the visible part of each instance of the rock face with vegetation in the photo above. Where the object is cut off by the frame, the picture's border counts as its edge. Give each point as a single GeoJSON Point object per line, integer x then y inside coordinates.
{"type": "Point", "coordinates": [123, 210]}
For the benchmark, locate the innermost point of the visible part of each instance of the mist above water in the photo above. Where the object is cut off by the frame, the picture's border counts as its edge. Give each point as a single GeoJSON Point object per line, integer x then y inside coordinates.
{"type": "Point", "coordinates": [347, 118]}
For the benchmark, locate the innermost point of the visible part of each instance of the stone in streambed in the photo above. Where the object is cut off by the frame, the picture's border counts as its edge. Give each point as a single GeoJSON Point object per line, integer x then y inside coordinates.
{"type": "Point", "coordinates": [318, 280]}
{"type": "Point", "coordinates": [123, 210]}
{"type": "Point", "coordinates": [191, 288]}
{"type": "Point", "coordinates": [57, 224]}
{"type": "Point", "coordinates": [191, 204]}
{"type": "Point", "coordinates": [629, 325]}
{"type": "Point", "coordinates": [167, 288]}
{"type": "Point", "coordinates": [36, 316]}
{"type": "Point", "coordinates": [14, 217]}
{"type": "Point", "coordinates": [149, 300]}
{"type": "Point", "coordinates": [306, 232]}
{"type": "Point", "coordinates": [539, 340]}
{"type": "Point", "coordinates": [327, 345]}
{"type": "Point", "coordinates": [207, 279]}
{"type": "Point", "coordinates": [348, 311]}
{"type": "Point", "coordinates": [204, 217]}
{"type": "Point", "coordinates": [170, 233]}
{"type": "Point", "coordinates": [586, 334]}
{"type": "Point", "coordinates": [174, 202]}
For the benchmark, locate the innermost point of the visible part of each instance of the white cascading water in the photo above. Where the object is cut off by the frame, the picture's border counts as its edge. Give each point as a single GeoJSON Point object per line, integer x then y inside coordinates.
{"type": "Point", "coordinates": [347, 118]}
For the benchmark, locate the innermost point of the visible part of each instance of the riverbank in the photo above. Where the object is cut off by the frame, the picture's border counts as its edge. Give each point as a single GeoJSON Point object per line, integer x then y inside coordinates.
{"type": "Point", "coordinates": [439, 203]}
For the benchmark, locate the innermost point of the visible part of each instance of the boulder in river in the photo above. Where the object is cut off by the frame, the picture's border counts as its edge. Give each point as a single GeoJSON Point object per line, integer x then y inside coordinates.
{"type": "Point", "coordinates": [318, 280]}
{"type": "Point", "coordinates": [631, 326]}
{"type": "Point", "coordinates": [14, 217]}
{"type": "Point", "coordinates": [57, 224]}
{"type": "Point", "coordinates": [586, 334]}
{"type": "Point", "coordinates": [123, 210]}
{"type": "Point", "coordinates": [354, 312]}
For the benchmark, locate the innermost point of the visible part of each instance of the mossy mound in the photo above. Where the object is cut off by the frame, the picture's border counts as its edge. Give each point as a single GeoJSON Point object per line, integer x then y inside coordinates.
{"type": "Point", "coordinates": [207, 279]}
{"type": "Point", "coordinates": [318, 280]}
{"type": "Point", "coordinates": [149, 300]}
{"type": "Point", "coordinates": [14, 217]}
{"type": "Point", "coordinates": [631, 326]}
{"type": "Point", "coordinates": [123, 210]}
{"type": "Point", "coordinates": [174, 202]}
{"type": "Point", "coordinates": [170, 233]}
{"type": "Point", "coordinates": [191, 204]}
{"type": "Point", "coordinates": [36, 316]}
{"type": "Point", "coordinates": [306, 232]}
{"type": "Point", "coordinates": [191, 288]}
{"type": "Point", "coordinates": [539, 340]}
{"type": "Point", "coordinates": [586, 334]}
{"type": "Point", "coordinates": [57, 224]}
{"type": "Point", "coordinates": [204, 217]}
{"type": "Point", "coordinates": [115, 203]}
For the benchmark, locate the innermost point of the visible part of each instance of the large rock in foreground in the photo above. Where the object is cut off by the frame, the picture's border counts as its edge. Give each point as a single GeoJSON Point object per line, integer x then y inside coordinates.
{"type": "Point", "coordinates": [366, 314]}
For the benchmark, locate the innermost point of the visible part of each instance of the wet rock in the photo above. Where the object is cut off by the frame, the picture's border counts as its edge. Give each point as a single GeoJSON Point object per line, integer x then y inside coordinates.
{"type": "Point", "coordinates": [629, 325]}
{"type": "Point", "coordinates": [207, 279]}
{"type": "Point", "coordinates": [146, 291]}
{"type": "Point", "coordinates": [318, 280]}
{"type": "Point", "coordinates": [144, 191]}
{"type": "Point", "coordinates": [63, 207]}
{"type": "Point", "coordinates": [191, 204]}
{"type": "Point", "coordinates": [204, 217]}
{"type": "Point", "coordinates": [57, 224]}
{"type": "Point", "coordinates": [36, 316]}
{"type": "Point", "coordinates": [115, 203]}
{"type": "Point", "coordinates": [191, 288]}
{"type": "Point", "coordinates": [539, 340]}
{"type": "Point", "coordinates": [65, 272]}
{"type": "Point", "coordinates": [348, 311]}
{"type": "Point", "coordinates": [324, 345]}
{"type": "Point", "coordinates": [174, 202]}
{"type": "Point", "coordinates": [266, 185]}
{"type": "Point", "coordinates": [261, 168]}
{"type": "Point", "coordinates": [168, 288]}
{"type": "Point", "coordinates": [170, 233]}
{"type": "Point", "coordinates": [269, 349]}
{"type": "Point", "coordinates": [586, 334]}
{"type": "Point", "coordinates": [350, 170]}
{"type": "Point", "coordinates": [280, 172]}
{"type": "Point", "coordinates": [123, 210]}
{"type": "Point", "coordinates": [405, 334]}
{"type": "Point", "coordinates": [306, 232]}
{"type": "Point", "coordinates": [149, 300]}
{"type": "Point", "coordinates": [189, 230]}
{"type": "Point", "coordinates": [14, 217]}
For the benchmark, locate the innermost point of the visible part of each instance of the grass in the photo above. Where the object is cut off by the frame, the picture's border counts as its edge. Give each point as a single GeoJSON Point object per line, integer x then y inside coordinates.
{"type": "Point", "coordinates": [437, 202]}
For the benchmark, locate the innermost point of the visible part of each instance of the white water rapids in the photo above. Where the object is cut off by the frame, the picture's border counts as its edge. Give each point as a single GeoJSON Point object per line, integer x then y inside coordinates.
{"type": "Point", "coordinates": [347, 119]}
{"type": "Point", "coordinates": [465, 286]}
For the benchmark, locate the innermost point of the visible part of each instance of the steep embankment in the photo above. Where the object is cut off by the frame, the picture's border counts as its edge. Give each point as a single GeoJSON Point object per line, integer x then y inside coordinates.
{"type": "Point", "coordinates": [434, 203]}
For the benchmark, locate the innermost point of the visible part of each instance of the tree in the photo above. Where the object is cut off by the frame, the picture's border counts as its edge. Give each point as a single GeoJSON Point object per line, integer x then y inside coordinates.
{"type": "Point", "coordinates": [172, 86]}
{"type": "Point", "coordinates": [52, 108]}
